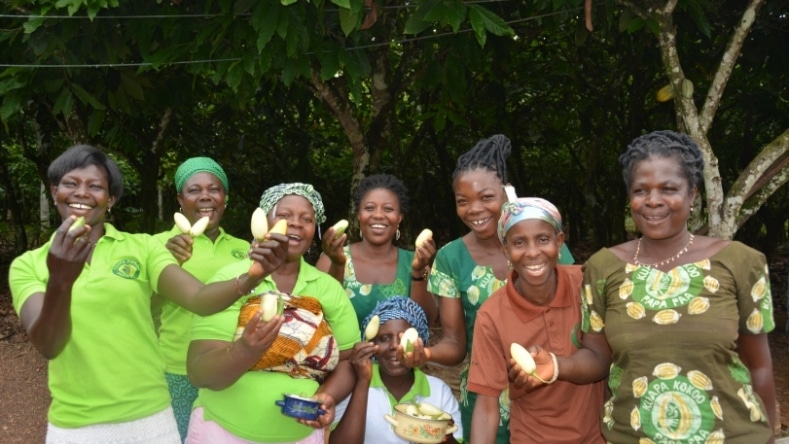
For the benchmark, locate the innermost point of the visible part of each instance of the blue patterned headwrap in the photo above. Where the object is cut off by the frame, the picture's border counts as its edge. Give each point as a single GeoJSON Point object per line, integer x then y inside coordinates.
{"type": "Point", "coordinates": [399, 307]}
{"type": "Point", "coordinates": [273, 195]}
{"type": "Point", "coordinates": [195, 165]}
{"type": "Point", "coordinates": [525, 208]}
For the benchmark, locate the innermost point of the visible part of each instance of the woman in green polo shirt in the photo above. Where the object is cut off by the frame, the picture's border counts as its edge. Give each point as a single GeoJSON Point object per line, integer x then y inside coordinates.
{"type": "Point", "coordinates": [84, 300]}
{"type": "Point", "coordinates": [202, 188]}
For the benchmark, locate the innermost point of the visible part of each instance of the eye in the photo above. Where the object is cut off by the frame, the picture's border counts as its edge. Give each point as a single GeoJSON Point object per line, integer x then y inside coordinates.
{"type": "Point", "coordinates": [460, 202]}
{"type": "Point", "coordinates": [96, 187]}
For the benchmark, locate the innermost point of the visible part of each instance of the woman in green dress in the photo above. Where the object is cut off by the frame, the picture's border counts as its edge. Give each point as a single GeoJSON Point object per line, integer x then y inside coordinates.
{"type": "Point", "coordinates": [375, 268]}
{"type": "Point", "coordinates": [469, 269]}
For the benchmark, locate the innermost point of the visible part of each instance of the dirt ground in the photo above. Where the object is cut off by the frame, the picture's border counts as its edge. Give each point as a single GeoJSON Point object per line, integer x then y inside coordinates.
{"type": "Point", "coordinates": [24, 397]}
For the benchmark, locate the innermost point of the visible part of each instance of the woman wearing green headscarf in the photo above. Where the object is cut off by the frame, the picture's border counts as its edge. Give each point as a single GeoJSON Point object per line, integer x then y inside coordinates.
{"type": "Point", "coordinates": [229, 350]}
{"type": "Point", "coordinates": [202, 188]}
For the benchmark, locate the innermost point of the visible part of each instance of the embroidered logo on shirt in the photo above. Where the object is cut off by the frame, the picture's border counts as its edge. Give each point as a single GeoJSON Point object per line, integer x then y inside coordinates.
{"type": "Point", "coordinates": [674, 407]}
{"type": "Point", "coordinates": [127, 269]}
{"type": "Point", "coordinates": [239, 254]}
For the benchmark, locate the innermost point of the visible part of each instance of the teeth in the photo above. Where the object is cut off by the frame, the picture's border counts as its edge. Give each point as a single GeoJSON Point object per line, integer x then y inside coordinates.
{"type": "Point", "coordinates": [535, 267]}
{"type": "Point", "coordinates": [80, 206]}
{"type": "Point", "coordinates": [479, 222]}
{"type": "Point", "coordinates": [377, 226]}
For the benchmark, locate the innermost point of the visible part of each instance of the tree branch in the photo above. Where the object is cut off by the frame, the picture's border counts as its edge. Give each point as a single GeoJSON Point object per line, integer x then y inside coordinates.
{"type": "Point", "coordinates": [728, 61]}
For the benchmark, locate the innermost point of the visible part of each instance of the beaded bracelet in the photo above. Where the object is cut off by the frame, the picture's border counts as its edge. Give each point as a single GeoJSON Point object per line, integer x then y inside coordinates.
{"type": "Point", "coordinates": [555, 370]}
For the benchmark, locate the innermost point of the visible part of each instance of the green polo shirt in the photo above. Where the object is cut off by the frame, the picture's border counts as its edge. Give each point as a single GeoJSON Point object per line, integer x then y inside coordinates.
{"type": "Point", "coordinates": [176, 321]}
{"type": "Point", "coordinates": [110, 370]}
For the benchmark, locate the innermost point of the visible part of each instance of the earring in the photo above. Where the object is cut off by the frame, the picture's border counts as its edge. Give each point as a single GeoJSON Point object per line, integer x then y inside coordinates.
{"type": "Point", "coordinates": [509, 264]}
{"type": "Point", "coordinates": [560, 256]}
{"type": "Point", "coordinates": [397, 235]}
{"type": "Point", "coordinates": [361, 235]}
{"type": "Point", "coordinates": [180, 210]}
{"type": "Point", "coordinates": [109, 210]}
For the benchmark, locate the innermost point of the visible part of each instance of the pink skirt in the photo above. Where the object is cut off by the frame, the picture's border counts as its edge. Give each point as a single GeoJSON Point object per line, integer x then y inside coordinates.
{"type": "Point", "coordinates": [209, 432]}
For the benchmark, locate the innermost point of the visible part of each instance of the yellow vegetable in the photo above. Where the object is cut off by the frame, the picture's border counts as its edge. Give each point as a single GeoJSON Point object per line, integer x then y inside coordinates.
{"type": "Point", "coordinates": [523, 358]}
{"type": "Point", "coordinates": [340, 227]}
{"type": "Point", "coordinates": [280, 227]}
{"type": "Point", "coordinates": [259, 224]}
{"type": "Point", "coordinates": [423, 237]}
{"type": "Point", "coordinates": [408, 340]}
{"type": "Point", "coordinates": [182, 223]}
{"type": "Point", "coordinates": [665, 94]}
{"type": "Point", "coordinates": [78, 222]}
{"type": "Point", "coordinates": [372, 328]}
{"type": "Point", "coordinates": [199, 226]}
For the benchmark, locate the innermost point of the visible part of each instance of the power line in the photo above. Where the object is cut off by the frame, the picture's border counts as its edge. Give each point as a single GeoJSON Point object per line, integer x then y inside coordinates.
{"type": "Point", "coordinates": [190, 16]}
{"type": "Point", "coordinates": [234, 59]}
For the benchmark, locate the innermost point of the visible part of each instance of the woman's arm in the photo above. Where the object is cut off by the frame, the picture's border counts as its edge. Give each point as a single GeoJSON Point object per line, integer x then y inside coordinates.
{"type": "Point", "coordinates": [485, 420]}
{"type": "Point", "coordinates": [352, 427]}
{"type": "Point", "coordinates": [332, 261]}
{"type": "Point", "coordinates": [420, 269]}
{"type": "Point", "coordinates": [754, 351]}
{"type": "Point", "coordinates": [451, 349]}
{"type": "Point", "coordinates": [46, 316]}
{"type": "Point", "coordinates": [587, 365]}
{"type": "Point", "coordinates": [217, 365]}
{"type": "Point", "coordinates": [185, 290]}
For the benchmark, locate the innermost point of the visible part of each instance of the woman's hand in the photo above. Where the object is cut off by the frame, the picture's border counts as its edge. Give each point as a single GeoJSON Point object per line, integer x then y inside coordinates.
{"type": "Point", "coordinates": [544, 369]}
{"type": "Point", "coordinates": [180, 246]}
{"type": "Point", "coordinates": [328, 405]}
{"type": "Point", "coordinates": [332, 246]}
{"type": "Point", "coordinates": [69, 251]}
{"type": "Point", "coordinates": [259, 335]}
{"type": "Point", "coordinates": [267, 255]}
{"type": "Point", "coordinates": [416, 358]}
{"type": "Point", "coordinates": [423, 256]}
{"type": "Point", "coordinates": [360, 359]}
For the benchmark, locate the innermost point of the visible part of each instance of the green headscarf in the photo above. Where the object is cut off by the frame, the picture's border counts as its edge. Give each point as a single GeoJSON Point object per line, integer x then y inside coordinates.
{"type": "Point", "coordinates": [199, 165]}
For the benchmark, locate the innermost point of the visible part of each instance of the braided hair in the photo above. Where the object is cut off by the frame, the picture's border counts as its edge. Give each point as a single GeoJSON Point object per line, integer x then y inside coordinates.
{"type": "Point", "coordinates": [382, 181]}
{"type": "Point", "coordinates": [665, 144]}
{"type": "Point", "coordinates": [488, 154]}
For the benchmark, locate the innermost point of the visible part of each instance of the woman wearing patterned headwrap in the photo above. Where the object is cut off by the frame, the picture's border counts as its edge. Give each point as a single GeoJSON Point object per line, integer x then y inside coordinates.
{"type": "Point", "coordinates": [202, 188]}
{"type": "Point", "coordinates": [236, 401]}
{"type": "Point", "coordinates": [469, 269]}
{"type": "Point", "coordinates": [677, 322]}
{"type": "Point", "coordinates": [540, 304]}
{"type": "Point", "coordinates": [381, 385]}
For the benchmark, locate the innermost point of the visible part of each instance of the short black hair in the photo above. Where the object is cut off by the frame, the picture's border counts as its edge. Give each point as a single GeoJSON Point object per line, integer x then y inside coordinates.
{"type": "Point", "coordinates": [81, 156]}
{"type": "Point", "coordinates": [488, 154]}
{"type": "Point", "coordinates": [665, 144]}
{"type": "Point", "coordinates": [385, 181]}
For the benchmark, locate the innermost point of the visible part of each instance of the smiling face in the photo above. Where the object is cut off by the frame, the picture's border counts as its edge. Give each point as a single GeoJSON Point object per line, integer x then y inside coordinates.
{"type": "Point", "coordinates": [379, 215]}
{"type": "Point", "coordinates": [387, 340]}
{"type": "Point", "coordinates": [83, 192]}
{"type": "Point", "coordinates": [660, 198]}
{"type": "Point", "coordinates": [532, 246]}
{"type": "Point", "coordinates": [479, 195]}
{"type": "Point", "coordinates": [300, 215]}
{"type": "Point", "coordinates": [203, 195]}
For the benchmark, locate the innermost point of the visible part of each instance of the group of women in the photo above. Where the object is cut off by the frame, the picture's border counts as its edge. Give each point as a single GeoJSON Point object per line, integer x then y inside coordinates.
{"type": "Point", "coordinates": [658, 339]}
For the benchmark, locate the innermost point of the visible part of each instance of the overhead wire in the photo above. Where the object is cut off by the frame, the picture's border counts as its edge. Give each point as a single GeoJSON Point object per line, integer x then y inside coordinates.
{"type": "Point", "coordinates": [234, 59]}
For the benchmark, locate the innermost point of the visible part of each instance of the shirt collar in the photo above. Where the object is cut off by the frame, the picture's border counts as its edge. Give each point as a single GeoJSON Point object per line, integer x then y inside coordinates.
{"type": "Point", "coordinates": [525, 310]}
{"type": "Point", "coordinates": [420, 388]}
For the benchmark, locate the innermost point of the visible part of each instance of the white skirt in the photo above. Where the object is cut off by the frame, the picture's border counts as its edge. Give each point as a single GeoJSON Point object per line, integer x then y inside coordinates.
{"type": "Point", "coordinates": [159, 428]}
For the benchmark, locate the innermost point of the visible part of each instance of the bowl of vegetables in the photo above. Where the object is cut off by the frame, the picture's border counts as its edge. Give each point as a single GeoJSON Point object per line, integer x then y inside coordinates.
{"type": "Point", "coordinates": [421, 422]}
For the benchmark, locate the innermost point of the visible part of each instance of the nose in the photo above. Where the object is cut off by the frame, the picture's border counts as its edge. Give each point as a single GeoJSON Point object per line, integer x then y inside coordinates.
{"type": "Point", "coordinates": [653, 198]}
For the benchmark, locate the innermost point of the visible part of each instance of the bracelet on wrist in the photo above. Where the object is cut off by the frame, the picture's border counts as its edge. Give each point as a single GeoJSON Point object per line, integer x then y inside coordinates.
{"type": "Point", "coordinates": [237, 286]}
{"type": "Point", "coordinates": [420, 277]}
{"type": "Point", "coordinates": [555, 370]}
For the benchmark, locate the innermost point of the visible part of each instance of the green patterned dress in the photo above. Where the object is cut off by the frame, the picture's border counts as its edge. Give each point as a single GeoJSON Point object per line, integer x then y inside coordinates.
{"type": "Point", "coordinates": [364, 297]}
{"type": "Point", "coordinates": [456, 275]}
{"type": "Point", "coordinates": [676, 376]}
